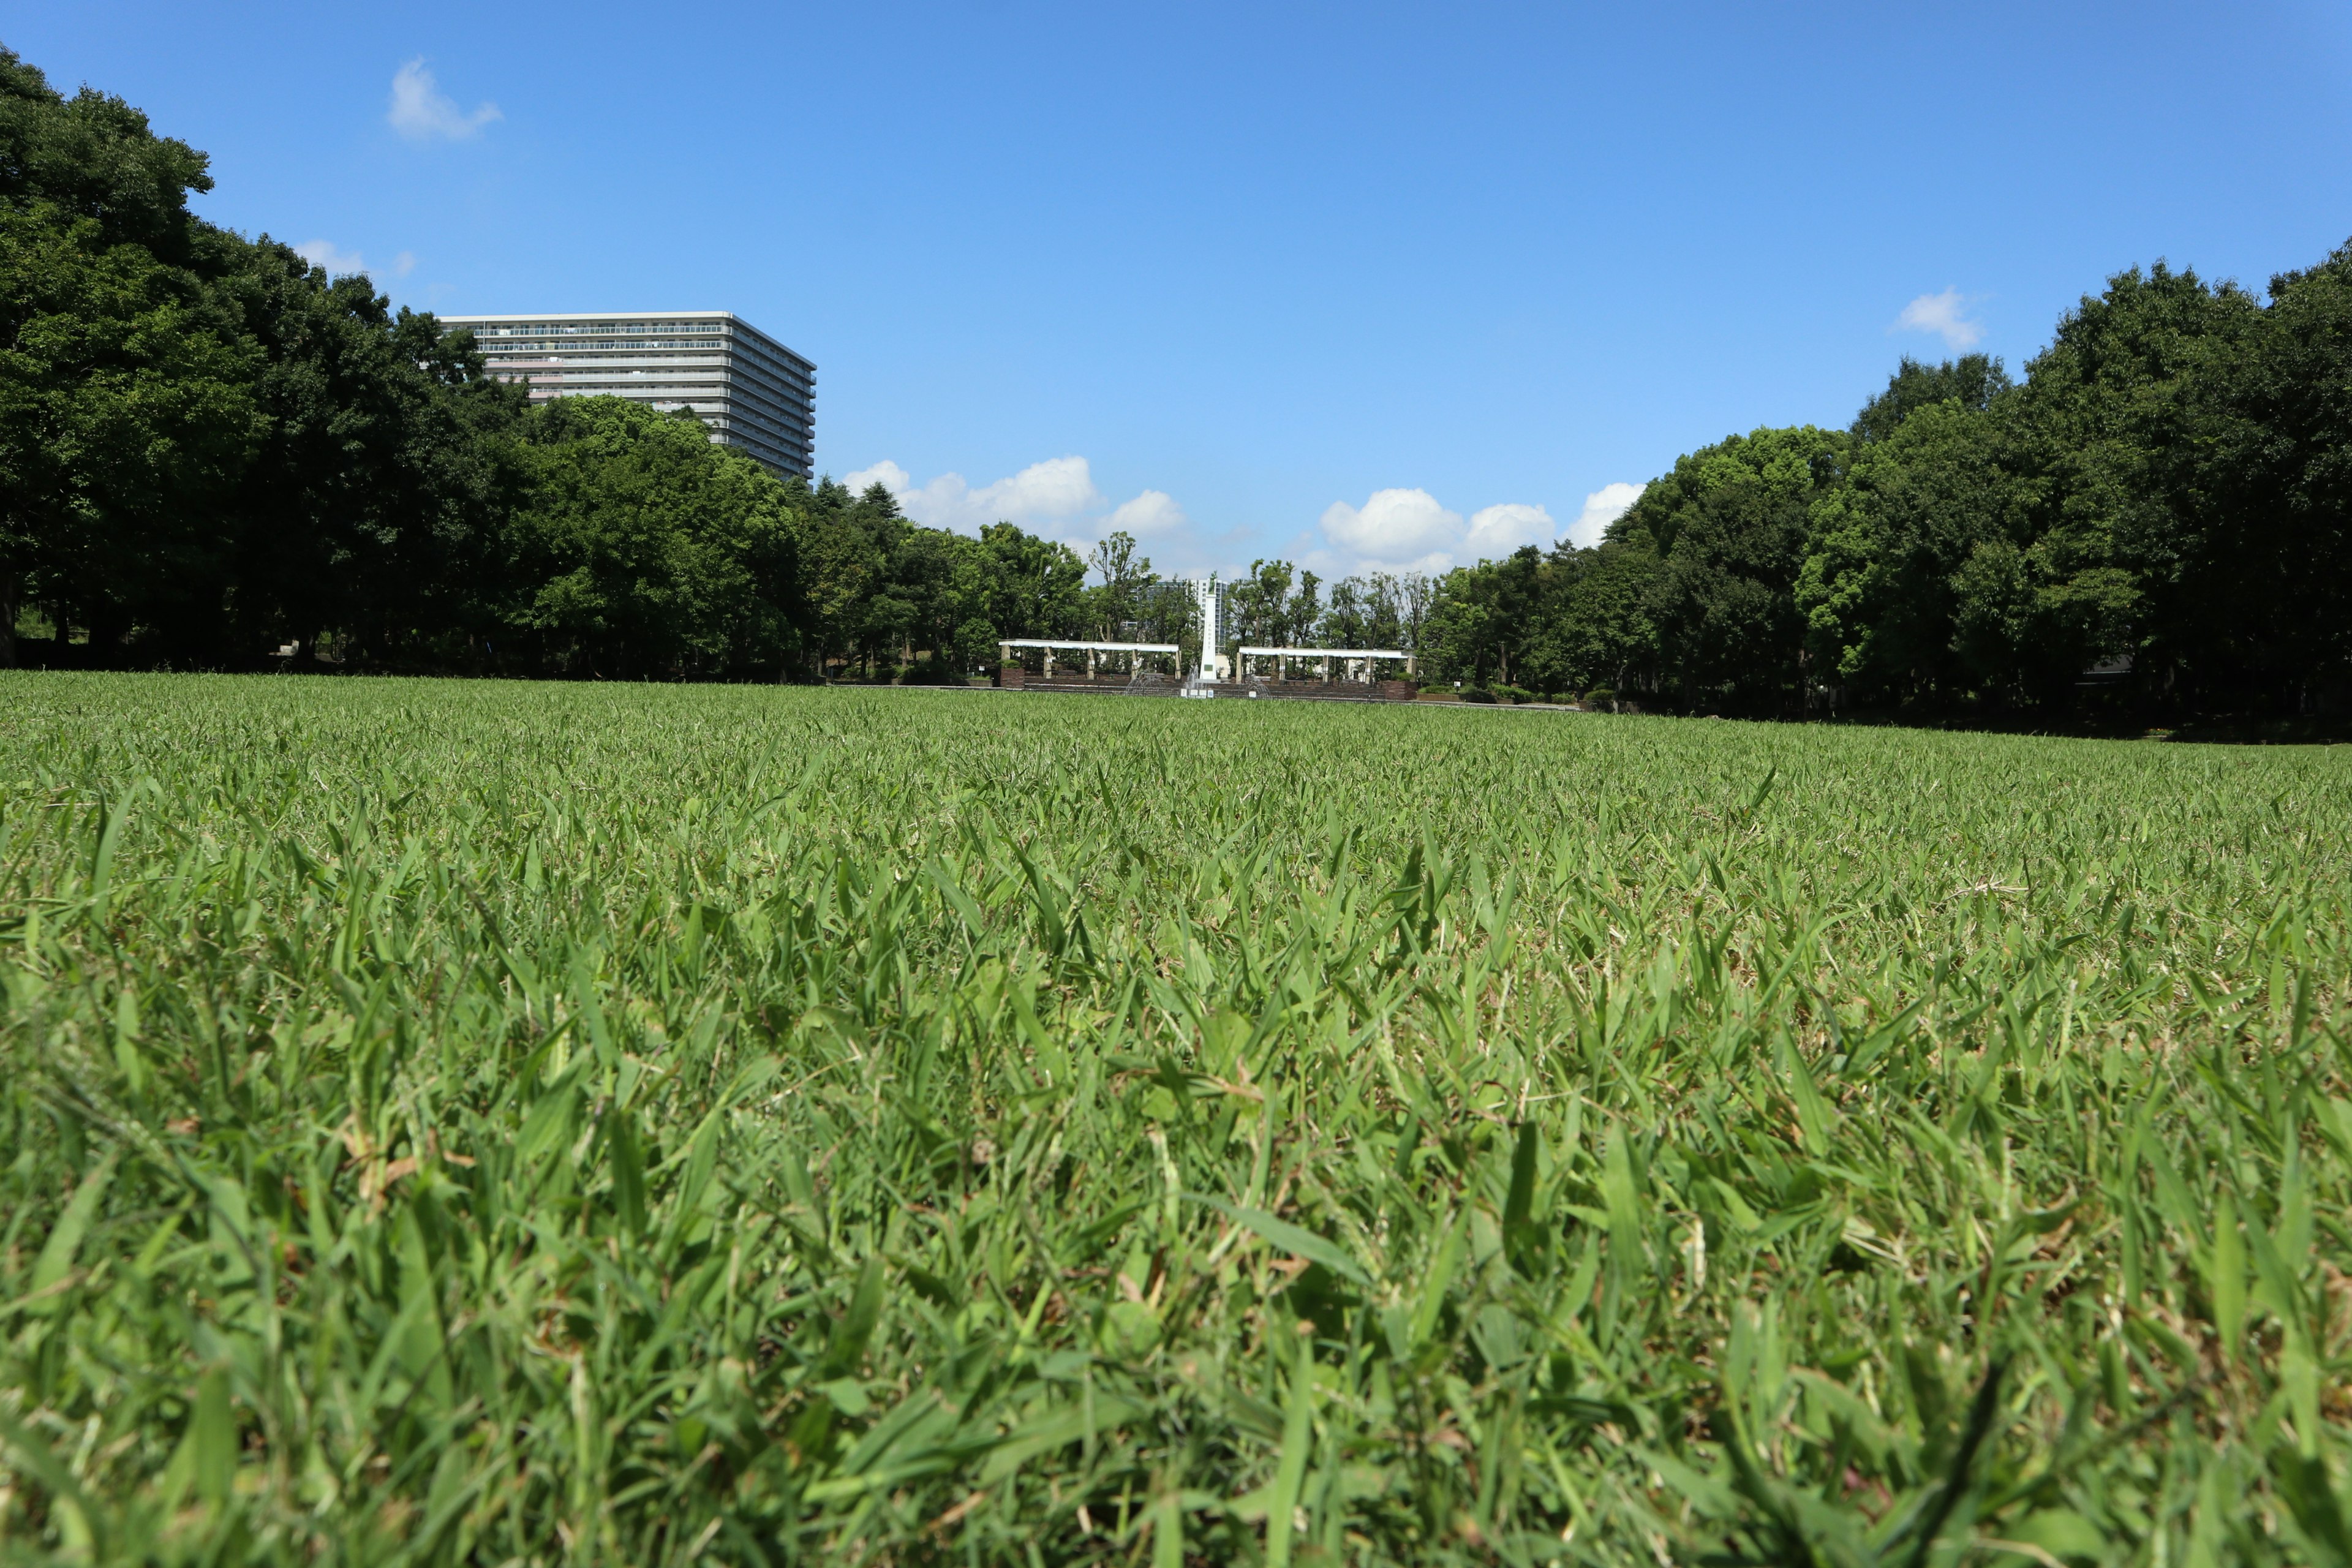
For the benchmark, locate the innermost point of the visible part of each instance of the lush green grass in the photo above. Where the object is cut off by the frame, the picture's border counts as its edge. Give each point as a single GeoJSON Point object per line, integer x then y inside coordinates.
{"type": "Point", "coordinates": [473, 1123]}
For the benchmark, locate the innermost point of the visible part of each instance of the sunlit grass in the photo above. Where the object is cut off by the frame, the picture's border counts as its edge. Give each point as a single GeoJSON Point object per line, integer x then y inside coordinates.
{"type": "Point", "coordinates": [480, 1122]}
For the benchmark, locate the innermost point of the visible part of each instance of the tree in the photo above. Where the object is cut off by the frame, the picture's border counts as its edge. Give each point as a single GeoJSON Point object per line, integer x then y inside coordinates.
{"type": "Point", "coordinates": [2274, 574]}
{"type": "Point", "coordinates": [844, 549]}
{"type": "Point", "coordinates": [1346, 618]}
{"type": "Point", "coordinates": [1126, 576]}
{"type": "Point", "coordinates": [1257, 607]}
{"type": "Point", "coordinates": [94, 157]}
{"type": "Point", "coordinates": [1878, 587]}
{"type": "Point", "coordinates": [1487, 616]}
{"type": "Point", "coordinates": [126, 415]}
{"type": "Point", "coordinates": [376, 503]}
{"type": "Point", "coordinates": [645, 549]}
{"type": "Point", "coordinates": [204, 444]}
{"type": "Point", "coordinates": [1729, 528]}
{"type": "Point", "coordinates": [1036, 586]}
{"type": "Point", "coordinates": [124, 410]}
{"type": "Point", "coordinates": [2115, 428]}
{"type": "Point", "coordinates": [1972, 381]}
{"type": "Point", "coordinates": [1601, 633]}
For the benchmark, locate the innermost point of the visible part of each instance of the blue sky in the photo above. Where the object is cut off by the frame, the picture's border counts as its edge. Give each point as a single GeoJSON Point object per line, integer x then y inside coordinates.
{"type": "Point", "coordinates": [1348, 284]}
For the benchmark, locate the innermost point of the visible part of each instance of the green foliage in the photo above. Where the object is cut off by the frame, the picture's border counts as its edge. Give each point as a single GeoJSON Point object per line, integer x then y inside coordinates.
{"type": "Point", "coordinates": [490, 1122]}
{"type": "Point", "coordinates": [1878, 587]}
{"type": "Point", "coordinates": [1276, 605]}
{"type": "Point", "coordinates": [94, 157]}
{"type": "Point", "coordinates": [207, 445]}
{"type": "Point", "coordinates": [210, 450]}
{"type": "Point", "coordinates": [376, 509]}
{"type": "Point", "coordinates": [1038, 585]}
{"type": "Point", "coordinates": [1972, 381]}
{"type": "Point", "coordinates": [645, 548]}
{"type": "Point", "coordinates": [2278, 470]}
{"type": "Point", "coordinates": [2164, 493]}
{"type": "Point", "coordinates": [1729, 528]}
{"type": "Point", "coordinates": [127, 417]}
{"type": "Point", "coordinates": [2110, 425]}
{"type": "Point", "coordinates": [1490, 614]}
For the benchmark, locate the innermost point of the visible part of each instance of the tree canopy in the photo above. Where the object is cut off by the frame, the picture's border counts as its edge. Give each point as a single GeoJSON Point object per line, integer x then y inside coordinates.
{"type": "Point", "coordinates": [2159, 508]}
{"type": "Point", "coordinates": [212, 451]}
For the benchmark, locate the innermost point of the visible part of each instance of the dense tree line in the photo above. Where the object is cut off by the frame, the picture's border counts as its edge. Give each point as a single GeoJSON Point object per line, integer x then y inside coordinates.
{"type": "Point", "coordinates": [2159, 513]}
{"type": "Point", "coordinates": [210, 451]}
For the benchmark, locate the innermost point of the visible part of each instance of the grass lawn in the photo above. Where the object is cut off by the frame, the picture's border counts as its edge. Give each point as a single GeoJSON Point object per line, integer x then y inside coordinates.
{"type": "Point", "coordinates": [496, 1123]}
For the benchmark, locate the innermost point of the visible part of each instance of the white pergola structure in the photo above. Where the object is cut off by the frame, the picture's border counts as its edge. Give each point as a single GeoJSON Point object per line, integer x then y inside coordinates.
{"type": "Point", "coordinates": [1093, 651]}
{"type": "Point", "coordinates": [1366, 657]}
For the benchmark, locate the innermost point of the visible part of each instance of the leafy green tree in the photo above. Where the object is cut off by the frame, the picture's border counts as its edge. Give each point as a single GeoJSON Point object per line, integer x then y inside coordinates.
{"type": "Point", "coordinates": [94, 157]}
{"type": "Point", "coordinates": [125, 410]}
{"type": "Point", "coordinates": [646, 550]}
{"type": "Point", "coordinates": [1346, 618]}
{"type": "Point", "coordinates": [126, 417]}
{"type": "Point", "coordinates": [1036, 587]}
{"type": "Point", "coordinates": [1972, 381]}
{"type": "Point", "coordinates": [1257, 607]}
{"type": "Point", "coordinates": [1126, 578]}
{"type": "Point", "coordinates": [1487, 616]}
{"type": "Point", "coordinates": [1729, 528]}
{"type": "Point", "coordinates": [2114, 427]}
{"type": "Point", "coordinates": [1401, 602]}
{"type": "Point", "coordinates": [1878, 587]}
{"type": "Point", "coordinates": [206, 445]}
{"type": "Point", "coordinates": [2273, 574]}
{"type": "Point", "coordinates": [843, 555]}
{"type": "Point", "coordinates": [376, 503]}
{"type": "Point", "coordinates": [1599, 633]}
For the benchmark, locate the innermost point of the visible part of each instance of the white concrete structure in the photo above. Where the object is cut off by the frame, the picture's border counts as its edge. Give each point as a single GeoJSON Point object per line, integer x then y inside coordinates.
{"type": "Point", "coordinates": [1093, 651]}
{"type": "Point", "coordinates": [1366, 657]}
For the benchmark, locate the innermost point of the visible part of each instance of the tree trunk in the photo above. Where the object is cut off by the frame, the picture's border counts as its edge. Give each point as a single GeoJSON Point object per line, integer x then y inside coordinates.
{"type": "Point", "coordinates": [8, 590]}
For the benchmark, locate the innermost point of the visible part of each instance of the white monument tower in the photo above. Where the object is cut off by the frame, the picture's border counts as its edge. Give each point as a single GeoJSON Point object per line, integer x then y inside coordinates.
{"type": "Point", "coordinates": [1204, 591]}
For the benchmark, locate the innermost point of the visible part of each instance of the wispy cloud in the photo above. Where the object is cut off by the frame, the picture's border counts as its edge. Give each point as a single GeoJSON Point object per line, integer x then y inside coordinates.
{"type": "Point", "coordinates": [1941, 313]}
{"type": "Point", "coordinates": [423, 112]}
{"type": "Point", "coordinates": [326, 252]}
{"type": "Point", "coordinates": [341, 263]}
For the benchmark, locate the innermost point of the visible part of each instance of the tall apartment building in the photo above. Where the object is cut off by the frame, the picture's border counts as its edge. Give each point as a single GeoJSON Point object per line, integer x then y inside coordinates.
{"type": "Point", "coordinates": [751, 391]}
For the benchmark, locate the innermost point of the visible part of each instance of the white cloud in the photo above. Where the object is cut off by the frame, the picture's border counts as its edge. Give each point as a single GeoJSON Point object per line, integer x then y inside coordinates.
{"type": "Point", "coordinates": [886, 473]}
{"type": "Point", "coordinates": [1056, 487]}
{"type": "Point", "coordinates": [403, 264]}
{"type": "Point", "coordinates": [1394, 525]}
{"type": "Point", "coordinates": [1941, 313]}
{"type": "Point", "coordinates": [1410, 529]}
{"type": "Point", "coordinates": [1153, 511]}
{"type": "Point", "coordinates": [423, 112]}
{"type": "Point", "coordinates": [1050, 492]}
{"type": "Point", "coordinates": [1602, 508]}
{"type": "Point", "coordinates": [326, 252]}
{"type": "Point", "coordinates": [1496, 531]}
